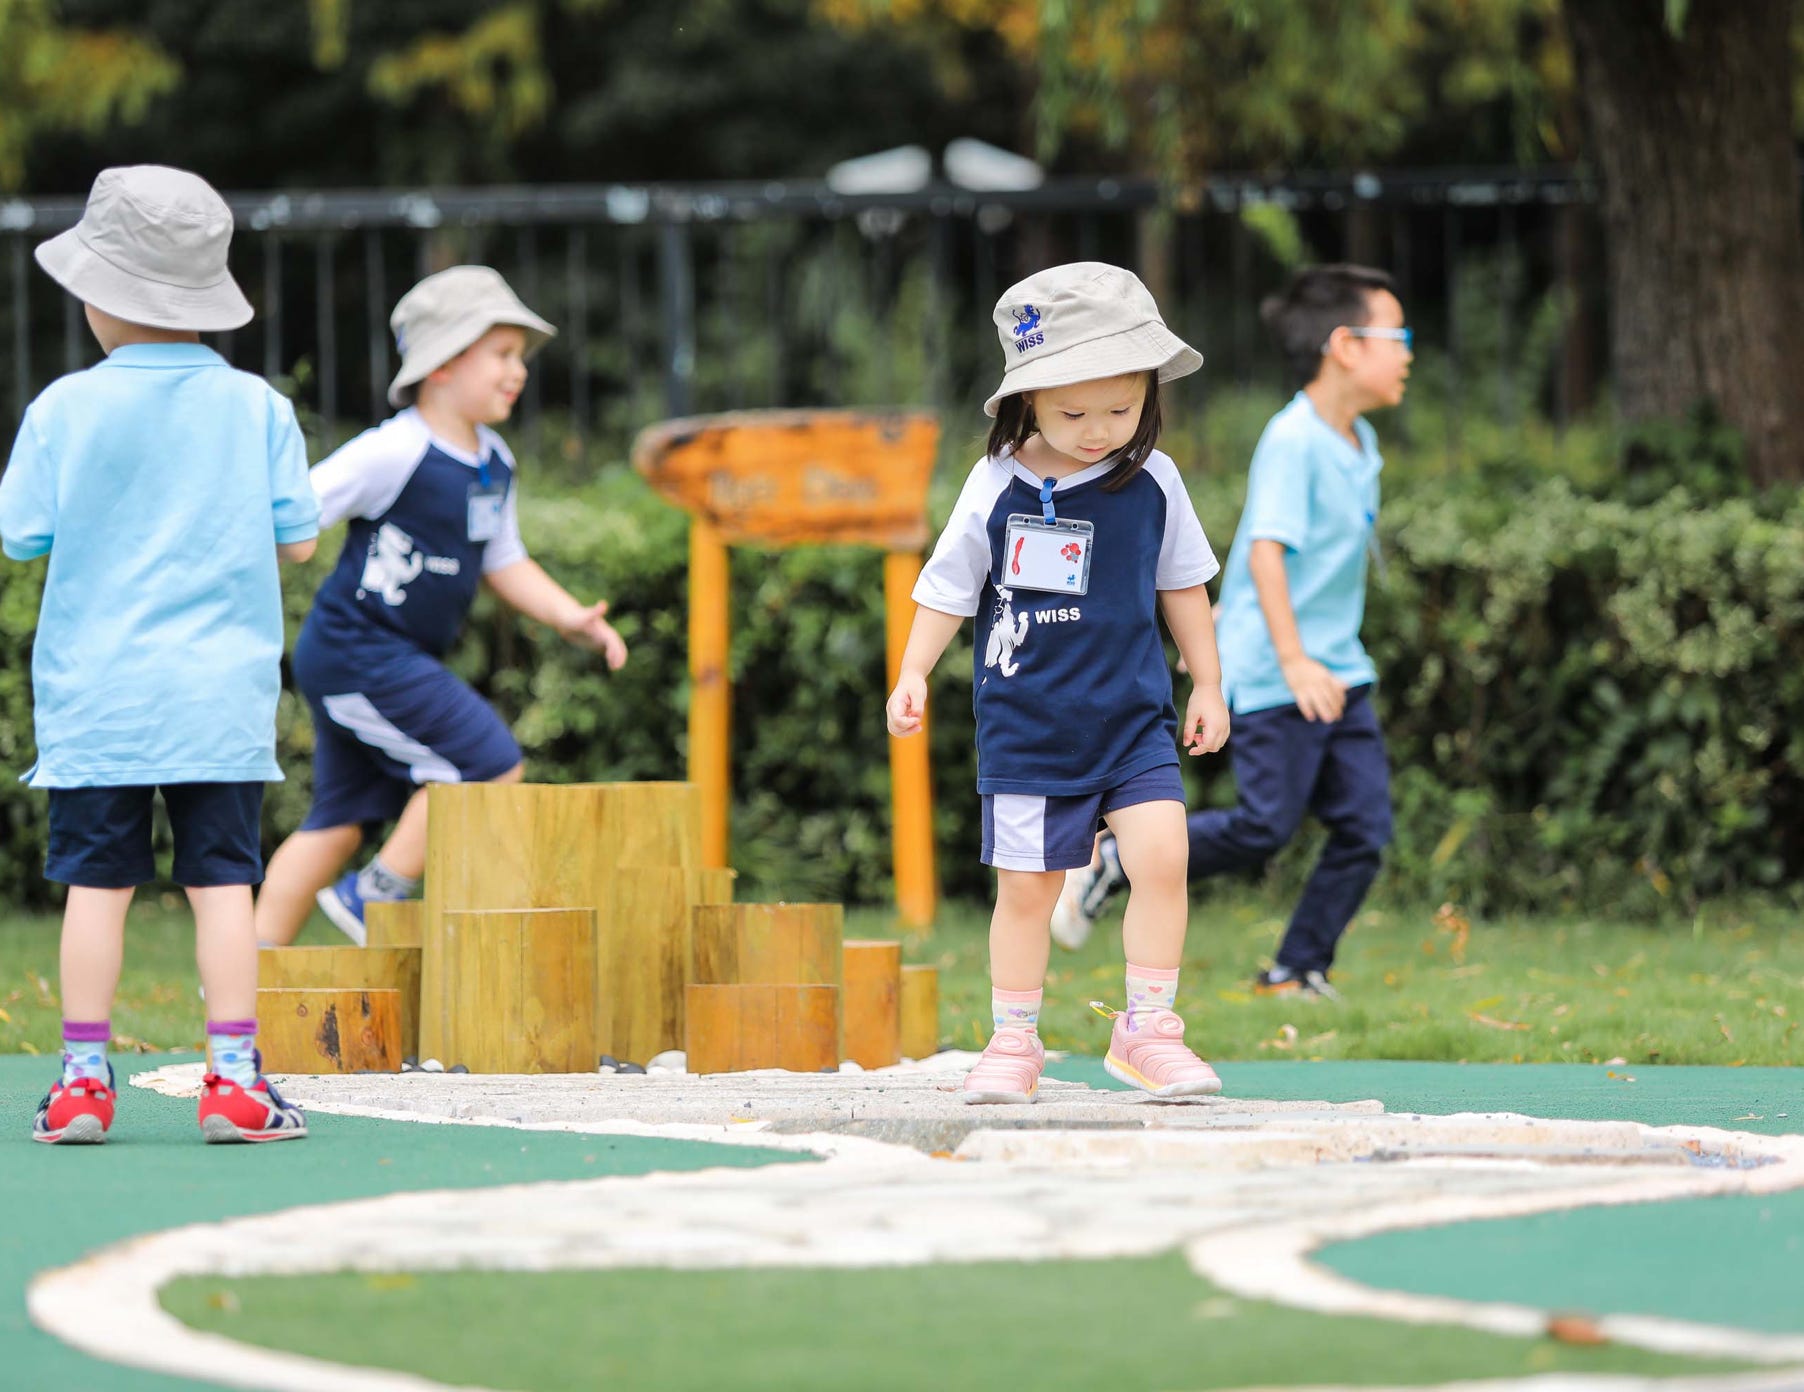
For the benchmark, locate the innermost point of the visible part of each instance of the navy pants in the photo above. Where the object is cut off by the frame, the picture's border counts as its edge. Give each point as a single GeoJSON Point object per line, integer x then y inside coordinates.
{"type": "Point", "coordinates": [1286, 766]}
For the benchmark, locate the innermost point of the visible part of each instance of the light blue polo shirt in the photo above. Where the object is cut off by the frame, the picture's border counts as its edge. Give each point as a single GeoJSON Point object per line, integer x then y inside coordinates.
{"type": "Point", "coordinates": [159, 483]}
{"type": "Point", "coordinates": [1312, 491]}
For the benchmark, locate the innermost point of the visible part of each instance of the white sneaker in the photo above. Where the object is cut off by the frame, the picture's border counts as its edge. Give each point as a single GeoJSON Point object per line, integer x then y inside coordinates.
{"type": "Point", "coordinates": [1085, 893]}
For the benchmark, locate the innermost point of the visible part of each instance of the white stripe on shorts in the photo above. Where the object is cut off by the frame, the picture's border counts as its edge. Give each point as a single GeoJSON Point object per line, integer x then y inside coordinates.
{"type": "Point", "coordinates": [1019, 820]}
{"type": "Point", "coordinates": [356, 714]}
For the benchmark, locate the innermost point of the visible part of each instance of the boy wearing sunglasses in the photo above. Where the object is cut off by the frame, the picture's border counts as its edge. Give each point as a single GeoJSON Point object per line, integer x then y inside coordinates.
{"type": "Point", "coordinates": [1297, 679]}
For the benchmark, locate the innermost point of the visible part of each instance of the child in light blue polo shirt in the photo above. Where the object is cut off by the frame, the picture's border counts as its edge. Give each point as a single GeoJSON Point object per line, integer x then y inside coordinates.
{"type": "Point", "coordinates": [164, 487]}
{"type": "Point", "coordinates": [1297, 679]}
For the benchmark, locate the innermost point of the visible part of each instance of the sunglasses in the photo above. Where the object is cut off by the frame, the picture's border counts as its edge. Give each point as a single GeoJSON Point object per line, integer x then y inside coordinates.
{"type": "Point", "coordinates": [1406, 337]}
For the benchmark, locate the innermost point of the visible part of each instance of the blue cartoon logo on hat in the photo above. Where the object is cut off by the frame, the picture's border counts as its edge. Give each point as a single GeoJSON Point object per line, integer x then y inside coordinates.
{"type": "Point", "coordinates": [1027, 319]}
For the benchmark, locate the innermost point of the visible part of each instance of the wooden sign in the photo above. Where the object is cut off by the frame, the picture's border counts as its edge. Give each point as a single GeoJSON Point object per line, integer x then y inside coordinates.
{"type": "Point", "coordinates": [782, 478]}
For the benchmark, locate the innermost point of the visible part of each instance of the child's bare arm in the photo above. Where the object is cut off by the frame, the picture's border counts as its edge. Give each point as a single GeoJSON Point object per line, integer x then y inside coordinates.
{"type": "Point", "coordinates": [525, 588]}
{"type": "Point", "coordinates": [1192, 625]}
{"type": "Point", "coordinates": [927, 640]}
{"type": "Point", "coordinates": [297, 551]}
{"type": "Point", "coordinates": [1319, 695]}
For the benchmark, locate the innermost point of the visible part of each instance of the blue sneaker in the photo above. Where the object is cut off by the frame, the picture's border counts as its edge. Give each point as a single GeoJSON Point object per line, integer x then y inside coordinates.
{"type": "Point", "coordinates": [343, 904]}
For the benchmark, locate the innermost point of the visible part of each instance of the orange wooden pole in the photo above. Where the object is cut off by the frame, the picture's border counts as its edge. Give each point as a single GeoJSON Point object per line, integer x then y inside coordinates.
{"type": "Point", "coordinates": [710, 715]}
{"type": "Point", "coordinates": [911, 789]}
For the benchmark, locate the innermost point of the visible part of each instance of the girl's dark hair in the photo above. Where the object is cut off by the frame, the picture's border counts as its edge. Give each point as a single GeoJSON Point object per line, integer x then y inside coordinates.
{"type": "Point", "coordinates": [1318, 300]}
{"type": "Point", "coordinates": [1015, 422]}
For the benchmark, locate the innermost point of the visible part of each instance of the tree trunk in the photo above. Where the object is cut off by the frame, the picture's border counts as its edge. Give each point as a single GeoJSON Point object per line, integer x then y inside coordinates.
{"type": "Point", "coordinates": [1692, 135]}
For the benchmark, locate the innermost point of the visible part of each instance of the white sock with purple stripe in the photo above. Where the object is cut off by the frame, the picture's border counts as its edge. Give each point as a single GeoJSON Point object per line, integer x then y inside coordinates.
{"type": "Point", "coordinates": [1150, 988]}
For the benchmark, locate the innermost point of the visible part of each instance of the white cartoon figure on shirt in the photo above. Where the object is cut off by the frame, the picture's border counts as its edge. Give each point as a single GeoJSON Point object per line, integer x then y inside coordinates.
{"type": "Point", "coordinates": [391, 564]}
{"type": "Point", "coordinates": [1007, 633]}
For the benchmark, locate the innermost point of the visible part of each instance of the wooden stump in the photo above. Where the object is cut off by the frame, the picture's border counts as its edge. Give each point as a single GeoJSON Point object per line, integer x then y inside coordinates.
{"type": "Point", "coordinates": [733, 1028]}
{"type": "Point", "coordinates": [642, 956]}
{"type": "Point", "coordinates": [521, 986]}
{"type": "Point", "coordinates": [769, 945]}
{"type": "Point", "coordinates": [872, 1003]}
{"type": "Point", "coordinates": [328, 1030]}
{"type": "Point", "coordinates": [920, 1011]}
{"type": "Point", "coordinates": [352, 969]}
{"type": "Point", "coordinates": [510, 846]}
{"type": "Point", "coordinates": [394, 923]}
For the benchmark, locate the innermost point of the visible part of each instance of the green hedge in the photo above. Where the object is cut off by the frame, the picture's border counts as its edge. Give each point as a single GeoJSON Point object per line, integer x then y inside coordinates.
{"type": "Point", "coordinates": [1589, 703]}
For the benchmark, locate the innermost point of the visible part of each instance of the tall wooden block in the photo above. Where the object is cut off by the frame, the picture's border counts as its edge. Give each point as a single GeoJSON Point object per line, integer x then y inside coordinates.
{"type": "Point", "coordinates": [871, 1001]}
{"type": "Point", "coordinates": [769, 945]}
{"type": "Point", "coordinates": [492, 846]}
{"type": "Point", "coordinates": [328, 1030]}
{"type": "Point", "coordinates": [522, 991]}
{"type": "Point", "coordinates": [642, 955]}
{"type": "Point", "coordinates": [350, 968]}
{"type": "Point", "coordinates": [395, 923]}
{"type": "Point", "coordinates": [729, 1029]}
{"type": "Point", "coordinates": [920, 1011]}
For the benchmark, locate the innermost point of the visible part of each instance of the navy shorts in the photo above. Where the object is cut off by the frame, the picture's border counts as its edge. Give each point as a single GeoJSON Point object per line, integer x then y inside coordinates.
{"type": "Point", "coordinates": [373, 749]}
{"type": "Point", "coordinates": [1025, 832]}
{"type": "Point", "coordinates": [100, 837]}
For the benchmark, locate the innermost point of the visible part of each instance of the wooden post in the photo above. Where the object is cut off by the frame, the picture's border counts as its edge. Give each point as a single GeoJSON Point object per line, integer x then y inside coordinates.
{"type": "Point", "coordinates": [522, 991]}
{"type": "Point", "coordinates": [532, 846]}
{"type": "Point", "coordinates": [733, 1028]}
{"type": "Point", "coordinates": [329, 1030]}
{"type": "Point", "coordinates": [353, 969]}
{"type": "Point", "coordinates": [872, 1003]}
{"type": "Point", "coordinates": [642, 956]}
{"type": "Point", "coordinates": [920, 1011]}
{"type": "Point", "coordinates": [710, 699]}
{"type": "Point", "coordinates": [911, 784]}
{"type": "Point", "coordinates": [393, 923]}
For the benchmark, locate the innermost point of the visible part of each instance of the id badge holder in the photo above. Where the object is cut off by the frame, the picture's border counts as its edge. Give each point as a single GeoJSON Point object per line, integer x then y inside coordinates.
{"type": "Point", "coordinates": [1053, 556]}
{"type": "Point", "coordinates": [486, 502]}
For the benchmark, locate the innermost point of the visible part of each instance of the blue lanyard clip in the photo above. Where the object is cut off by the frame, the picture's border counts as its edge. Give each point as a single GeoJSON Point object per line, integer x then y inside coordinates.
{"type": "Point", "coordinates": [1046, 511]}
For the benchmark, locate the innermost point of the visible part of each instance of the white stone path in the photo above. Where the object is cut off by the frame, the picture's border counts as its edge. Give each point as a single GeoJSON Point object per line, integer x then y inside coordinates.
{"type": "Point", "coordinates": [1246, 1189]}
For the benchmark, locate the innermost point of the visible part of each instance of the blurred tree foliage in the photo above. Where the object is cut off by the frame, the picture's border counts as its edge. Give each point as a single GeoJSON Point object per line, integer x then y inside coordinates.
{"type": "Point", "coordinates": [355, 92]}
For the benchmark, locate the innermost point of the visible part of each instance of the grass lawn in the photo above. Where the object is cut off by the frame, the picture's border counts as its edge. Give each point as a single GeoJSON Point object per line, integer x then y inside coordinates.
{"type": "Point", "coordinates": [1725, 989]}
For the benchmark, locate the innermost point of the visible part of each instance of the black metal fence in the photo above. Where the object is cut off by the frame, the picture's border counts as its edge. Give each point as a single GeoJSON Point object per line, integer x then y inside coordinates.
{"type": "Point", "coordinates": [682, 298]}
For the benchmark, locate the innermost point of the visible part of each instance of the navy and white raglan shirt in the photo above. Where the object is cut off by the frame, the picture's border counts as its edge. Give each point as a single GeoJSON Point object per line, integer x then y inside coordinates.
{"type": "Point", "coordinates": [410, 569]}
{"type": "Point", "coordinates": [1072, 693]}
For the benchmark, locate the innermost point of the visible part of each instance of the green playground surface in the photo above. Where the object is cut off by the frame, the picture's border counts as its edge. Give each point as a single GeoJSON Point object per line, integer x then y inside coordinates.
{"type": "Point", "coordinates": [1143, 1321]}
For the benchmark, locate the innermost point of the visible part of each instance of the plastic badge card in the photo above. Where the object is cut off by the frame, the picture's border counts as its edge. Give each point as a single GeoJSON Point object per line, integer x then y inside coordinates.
{"type": "Point", "coordinates": [1048, 555]}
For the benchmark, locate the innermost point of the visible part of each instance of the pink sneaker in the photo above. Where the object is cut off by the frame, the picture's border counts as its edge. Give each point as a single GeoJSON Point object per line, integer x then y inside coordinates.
{"type": "Point", "coordinates": [1009, 1070]}
{"type": "Point", "coordinates": [1152, 1055]}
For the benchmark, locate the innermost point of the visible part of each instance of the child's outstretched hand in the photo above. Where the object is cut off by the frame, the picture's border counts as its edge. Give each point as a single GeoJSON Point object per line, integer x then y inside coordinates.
{"type": "Point", "coordinates": [907, 704]}
{"type": "Point", "coordinates": [1205, 720]}
{"type": "Point", "coordinates": [588, 629]}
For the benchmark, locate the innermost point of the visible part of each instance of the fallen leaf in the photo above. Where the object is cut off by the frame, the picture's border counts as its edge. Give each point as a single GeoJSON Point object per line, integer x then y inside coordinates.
{"type": "Point", "coordinates": [1751, 1116]}
{"type": "Point", "coordinates": [389, 1280]}
{"type": "Point", "coordinates": [1234, 997]}
{"type": "Point", "coordinates": [1491, 1023]}
{"type": "Point", "coordinates": [27, 1046]}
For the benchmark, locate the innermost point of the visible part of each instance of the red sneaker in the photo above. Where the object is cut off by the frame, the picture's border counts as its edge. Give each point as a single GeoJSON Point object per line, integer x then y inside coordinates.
{"type": "Point", "coordinates": [230, 1112]}
{"type": "Point", "coordinates": [76, 1113]}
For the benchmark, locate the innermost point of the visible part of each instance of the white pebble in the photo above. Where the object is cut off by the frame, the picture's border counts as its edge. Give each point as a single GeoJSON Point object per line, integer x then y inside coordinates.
{"type": "Point", "coordinates": [431, 1066]}
{"type": "Point", "coordinates": [670, 1061]}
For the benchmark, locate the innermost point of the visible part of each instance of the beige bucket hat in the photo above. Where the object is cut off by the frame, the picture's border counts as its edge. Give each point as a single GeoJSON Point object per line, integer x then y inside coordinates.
{"type": "Point", "coordinates": [151, 249]}
{"type": "Point", "coordinates": [447, 312]}
{"type": "Point", "coordinates": [1080, 322]}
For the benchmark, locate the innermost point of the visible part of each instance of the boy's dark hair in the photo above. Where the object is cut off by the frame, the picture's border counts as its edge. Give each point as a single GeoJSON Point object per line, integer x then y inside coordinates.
{"type": "Point", "coordinates": [1318, 300]}
{"type": "Point", "coordinates": [1015, 422]}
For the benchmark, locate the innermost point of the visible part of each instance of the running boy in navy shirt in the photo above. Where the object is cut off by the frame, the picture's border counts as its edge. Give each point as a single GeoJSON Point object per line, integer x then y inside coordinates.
{"type": "Point", "coordinates": [1299, 682]}
{"type": "Point", "coordinates": [164, 487]}
{"type": "Point", "coordinates": [431, 499]}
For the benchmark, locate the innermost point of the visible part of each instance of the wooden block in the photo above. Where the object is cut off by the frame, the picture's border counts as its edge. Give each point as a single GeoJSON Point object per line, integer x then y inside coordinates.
{"type": "Point", "coordinates": [732, 1028]}
{"type": "Point", "coordinates": [350, 968]}
{"type": "Point", "coordinates": [394, 923]}
{"type": "Point", "coordinates": [522, 991]}
{"type": "Point", "coordinates": [329, 1030]}
{"type": "Point", "coordinates": [506, 846]}
{"type": "Point", "coordinates": [920, 1011]}
{"type": "Point", "coordinates": [872, 1002]}
{"type": "Point", "coordinates": [768, 945]}
{"type": "Point", "coordinates": [642, 956]}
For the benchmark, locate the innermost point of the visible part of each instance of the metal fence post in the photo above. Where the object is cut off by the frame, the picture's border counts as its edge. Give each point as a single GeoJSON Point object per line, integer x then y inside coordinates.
{"type": "Point", "coordinates": [676, 278]}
